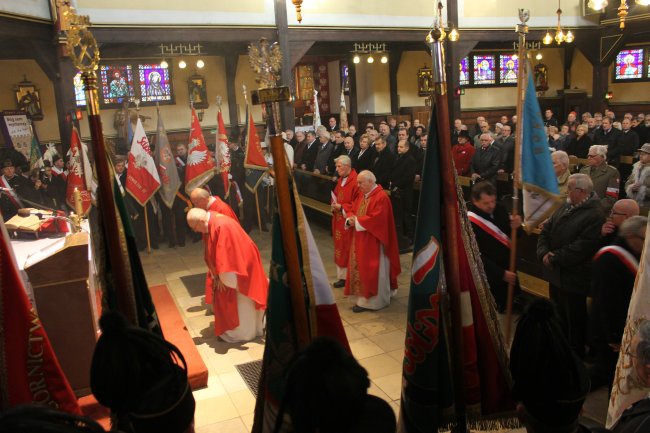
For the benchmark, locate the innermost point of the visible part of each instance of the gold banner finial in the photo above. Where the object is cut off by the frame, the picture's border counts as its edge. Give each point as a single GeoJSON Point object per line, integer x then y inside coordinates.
{"type": "Point", "coordinates": [266, 61]}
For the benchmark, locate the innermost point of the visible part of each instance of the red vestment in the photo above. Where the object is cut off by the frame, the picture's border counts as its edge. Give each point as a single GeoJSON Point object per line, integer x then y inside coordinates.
{"type": "Point", "coordinates": [462, 155]}
{"type": "Point", "coordinates": [230, 249]}
{"type": "Point", "coordinates": [375, 215]}
{"type": "Point", "coordinates": [221, 207]}
{"type": "Point", "coordinates": [345, 196]}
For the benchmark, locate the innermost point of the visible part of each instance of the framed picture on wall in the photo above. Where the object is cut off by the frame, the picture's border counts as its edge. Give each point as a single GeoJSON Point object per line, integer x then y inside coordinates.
{"type": "Point", "coordinates": [197, 91]}
{"type": "Point", "coordinates": [425, 81]}
{"type": "Point", "coordinates": [28, 99]}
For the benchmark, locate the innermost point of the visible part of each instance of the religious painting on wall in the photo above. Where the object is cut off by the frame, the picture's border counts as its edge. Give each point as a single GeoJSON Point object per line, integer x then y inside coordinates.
{"type": "Point", "coordinates": [541, 77]}
{"type": "Point", "coordinates": [484, 69]}
{"type": "Point", "coordinates": [305, 82]}
{"type": "Point", "coordinates": [345, 79]}
{"type": "Point", "coordinates": [116, 84]}
{"type": "Point", "coordinates": [154, 83]}
{"type": "Point", "coordinates": [464, 72]}
{"type": "Point", "coordinates": [29, 99]}
{"type": "Point", "coordinates": [79, 93]}
{"type": "Point", "coordinates": [322, 84]}
{"type": "Point", "coordinates": [508, 68]}
{"type": "Point", "coordinates": [197, 91]}
{"type": "Point", "coordinates": [425, 81]}
{"type": "Point", "coordinates": [629, 64]}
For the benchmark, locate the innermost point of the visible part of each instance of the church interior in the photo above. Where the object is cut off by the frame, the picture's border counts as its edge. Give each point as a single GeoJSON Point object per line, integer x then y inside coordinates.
{"type": "Point", "coordinates": [369, 61]}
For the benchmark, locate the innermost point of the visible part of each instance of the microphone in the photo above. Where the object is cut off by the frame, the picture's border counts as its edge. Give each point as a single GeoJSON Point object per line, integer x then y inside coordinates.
{"type": "Point", "coordinates": [25, 212]}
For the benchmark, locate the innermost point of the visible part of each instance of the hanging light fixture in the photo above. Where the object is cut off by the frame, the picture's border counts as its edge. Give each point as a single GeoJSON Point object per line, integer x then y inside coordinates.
{"type": "Point", "coordinates": [560, 35]}
{"type": "Point", "coordinates": [538, 56]}
{"type": "Point", "coordinates": [200, 63]}
{"type": "Point", "coordinates": [454, 35]}
{"type": "Point", "coordinates": [597, 5]}
{"type": "Point", "coordinates": [182, 64]}
{"type": "Point", "coordinates": [368, 50]}
{"type": "Point", "coordinates": [371, 59]}
{"type": "Point", "coordinates": [356, 58]}
{"type": "Point", "coordinates": [164, 64]}
{"type": "Point", "coordinates": [384, 58]}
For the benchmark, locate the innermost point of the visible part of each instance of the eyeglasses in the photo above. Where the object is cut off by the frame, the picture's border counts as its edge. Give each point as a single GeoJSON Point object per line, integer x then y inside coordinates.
{"type": "Point", "coordinates": [613, 212]}
{"type": "Point", "coordinates": [592, 156]}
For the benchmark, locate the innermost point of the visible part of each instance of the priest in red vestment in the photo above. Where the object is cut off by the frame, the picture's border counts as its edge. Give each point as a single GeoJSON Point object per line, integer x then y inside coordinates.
{"type": "Point", "coordinates": [374, 256]}
{"type": "Point", "coordinates": [240, 284]}
{"type": "Point", "coordinates": [343, 197]}
{"type": "Point", "coordinates": [202, 199]}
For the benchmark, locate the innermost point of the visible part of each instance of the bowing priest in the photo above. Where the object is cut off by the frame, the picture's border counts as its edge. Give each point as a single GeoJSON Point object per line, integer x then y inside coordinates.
{"type": "Point", "coordinates": [240, 286]}
{"type": "Point", "coordinates": [343, 197]}
{"type": "Point", "coordinates": [202, 199]}
{"type": "Point", "coordinates": [491, 224]}
{"type": "Point", "coordinates": [374, 263]}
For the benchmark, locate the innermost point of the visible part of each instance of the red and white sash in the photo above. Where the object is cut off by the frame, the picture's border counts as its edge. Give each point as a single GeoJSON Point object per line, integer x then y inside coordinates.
{"type": "Point", "coordinates": [60, 172]}
{"type": "Point", "coordinates": [179, 162]}
{"type": "Point", "coordinates": [490, 228]}
{"type": "Point", "coordinates": [623, 255]}
{"type": "Point", "coordinates": [11, 193]}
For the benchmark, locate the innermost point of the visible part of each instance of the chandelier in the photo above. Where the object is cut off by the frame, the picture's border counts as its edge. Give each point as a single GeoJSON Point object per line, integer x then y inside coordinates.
{"type": "Point", "coordinates": [560, 36]}
{"type": "Point", "coordinates": [370, 49]}
{"type": "Point", "coordinates": [600, 5]}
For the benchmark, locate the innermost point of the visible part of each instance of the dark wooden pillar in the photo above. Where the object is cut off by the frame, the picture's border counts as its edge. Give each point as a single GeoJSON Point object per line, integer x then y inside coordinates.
{"type": "Point", "coordinates": [231, 70]}
{"type": "Point", "coordinates": [456, 51]}
{"type": "Point", "coordinates": [393, 67]}
{"type": "Point", "coordinates": [354, 115]}
{"type": "Point", "coordinates": [286, 109]}
{"type": "Point", "coordinates": [599, 88]}
{"type": "Point", "coordinates": [568, 60]}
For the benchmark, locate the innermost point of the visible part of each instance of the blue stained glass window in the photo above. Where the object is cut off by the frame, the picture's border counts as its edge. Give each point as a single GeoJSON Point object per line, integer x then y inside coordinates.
{"type": "Point", "coordinates": [116, 83]}
{"type": "Point", "coordinates": [629, 64]}
{"type": "Point", "coordinates": [79, 94]}
{"type": "Point", "coordinates": [484, 70]}
{"type": "Point", "coordinates": [464, 72]}
{"type": "Point", "coordinates": [508, 68]}
{"type": "Point", "coordinates": [154, 83]}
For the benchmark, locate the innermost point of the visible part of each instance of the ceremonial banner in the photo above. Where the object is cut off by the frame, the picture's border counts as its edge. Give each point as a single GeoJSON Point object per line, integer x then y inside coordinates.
{"type": "Point", "coordinates": [35, 155]}
{"type": "Point", "coordinates": [322, 312]}
{"type": "Point", "coordinates": [427, 400]}
{"type": "Point", "coordinates": [537, 177]}
{"type": "Point", "coordinates": [169, 179]}
{"type": "Point", "coordinates": [200, 166]}
{"type": "Point", "coordinates": [317, 121]}
{"type": "Point", "coordinates": [76, 179]}
{"type": "Point", "coordinates": [222, 153]}
{"type": "Point", "coordinates": [427, 396]}
{"type": "Point", "coordinates": [142, 180]}
{"type": "Point", "coordinates": [254, 160]}
{"type": "Point", "coordinates": [343, 123]}
{"type": "Point", "coordinates": [625, 389]}
{"type": "Point", "coordinates": [29, 369]}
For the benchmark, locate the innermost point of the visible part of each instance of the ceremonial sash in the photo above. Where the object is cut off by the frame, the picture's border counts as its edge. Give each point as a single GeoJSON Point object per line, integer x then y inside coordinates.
{"type": "Point", "coordinates": [490, 228]}
{"type": "Point", "coordinates": [11, 193]}
{"type": "Point", "coordinates": [179, 162]}
{"type": "Point", "coordinates": [60, 172]}
{"type": "Point", "coordinates": [623, 255]}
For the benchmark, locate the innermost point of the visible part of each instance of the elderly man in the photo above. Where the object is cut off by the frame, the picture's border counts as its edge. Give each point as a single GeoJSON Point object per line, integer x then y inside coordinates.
{"type": "Point", "coordinates": [486, 161]}
{"type": "Point", "coordinates": [391, 141]}
{"type": "Point", "coordinates": [310, 152]}
{"type": "Point", "coordinates": [299, 148]}
{"type": "Point", "coordinates": [614, 272]}
{"type": "Point", "coordinates": [621, 211]}
{"type": "Point", "coordinates": [324, 150]}
{"type": "Point", "coordinates": [507, 145]}
{"type": "Point", "coordinates": [374, 258]}
{"type": "Point", "coordinates": [561, 166]}
{"type": "Point", "coordinates": [382, 165]}
{"type": "Point", "coordinates": [566, 246]}
{"type": "Point", "coordinates": [638, 184]}
{"type": "Point", "coordinates": [351, 151]}
{"type": "Point", "coordinates": [605, 178]}
{"type": "Point", "coordinates": [484, 128]}
{"type": "Point", "coordinates": [240, 287]}
{"type": "Point", "coordinates": [343, 198]}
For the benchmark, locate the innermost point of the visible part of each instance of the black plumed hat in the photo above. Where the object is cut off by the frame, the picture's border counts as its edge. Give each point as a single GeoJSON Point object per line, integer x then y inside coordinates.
{"type": "Point", "coordinates": [141, 377]}
{"type": "Point", "coordinates": [549, 378]}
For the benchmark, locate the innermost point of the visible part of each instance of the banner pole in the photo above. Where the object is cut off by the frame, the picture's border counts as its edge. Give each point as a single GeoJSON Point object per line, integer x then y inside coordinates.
{"type": "Point", "coordinates": [146, 229]}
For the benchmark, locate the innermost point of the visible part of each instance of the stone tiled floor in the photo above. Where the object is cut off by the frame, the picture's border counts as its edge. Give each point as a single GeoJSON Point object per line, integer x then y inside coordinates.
{"type": "Point", "coordinates": [226, 405]}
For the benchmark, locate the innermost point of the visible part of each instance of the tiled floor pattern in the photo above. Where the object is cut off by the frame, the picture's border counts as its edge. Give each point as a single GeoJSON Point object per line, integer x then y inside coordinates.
{"type": "Point", "coordinates": [226, 405]}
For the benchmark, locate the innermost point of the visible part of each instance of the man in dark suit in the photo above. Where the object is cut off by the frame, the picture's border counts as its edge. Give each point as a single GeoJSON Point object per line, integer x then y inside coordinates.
{"type": "Point", "coordinates": [332, 126]}
{"type": "Point", "coordinates": [507, 145]}
{"type": "Point", "coordinates": [16, 188]}
{"type": "Point", "coordinates": [337, 150]}
{"type": "Point", "coordinates": [350, 150]}
{"type": "Point", "coordinates": [401, 190]}
{"type": "Point", "coordinates": [325, 147]}
{"type": "Point", "coordinates": [487, 160]}
{"type": "Point", "coordinates": [609, 136]}
{"type": "Point", "coordinates": [383, 163]}
{"type": "Point", "coordinates": [310, 152]}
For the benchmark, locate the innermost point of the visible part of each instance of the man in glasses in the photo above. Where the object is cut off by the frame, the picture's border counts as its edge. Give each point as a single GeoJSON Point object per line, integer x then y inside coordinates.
{"type": "Point", "coordinates": [566, 246]}
{"type": "Point", "coordinates": [606, 179]}
{"type": "Point", "coordinates": [621, 211]}
{"type": "Point", "coordinates": [614, 271]}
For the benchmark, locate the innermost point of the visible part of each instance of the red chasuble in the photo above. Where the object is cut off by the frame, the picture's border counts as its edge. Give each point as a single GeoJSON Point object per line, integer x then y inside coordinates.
{"type": "Point", "coordinates": [230, 249]}
{"type": "Point", "coordinates": [221, 207]}
{"type": "Point", "coordinates": [345, 196]}
{"type": "Point", "coordinates": [375, 214]}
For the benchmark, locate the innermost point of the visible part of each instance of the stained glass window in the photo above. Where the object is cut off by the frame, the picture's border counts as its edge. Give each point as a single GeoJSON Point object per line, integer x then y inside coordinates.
{"type": "Point", "coordinates": [464, 72]}
{"type": "Point", "coordinates": [116, 83]}
{"type": "Point", "coordinates": [154, 83]}
{"type": "Point", "coordinates": [484, 71]}
{"type": "Point", "coordinates": [79, 94]}
{"type": "Point", "coordinates": [508, 68]}
{"type": "Point", "coordinates": [629, 64]}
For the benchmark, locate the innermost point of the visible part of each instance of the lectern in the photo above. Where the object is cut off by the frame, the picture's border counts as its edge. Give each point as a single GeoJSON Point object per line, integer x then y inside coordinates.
{"type": "Point", "coordinates": [66, 305]}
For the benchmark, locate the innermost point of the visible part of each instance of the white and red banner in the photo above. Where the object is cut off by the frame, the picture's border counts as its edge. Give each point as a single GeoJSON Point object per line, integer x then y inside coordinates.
{"type": "Point", "coordinates": [200, 166]}
{"type": "Point", "coordinates": [222, 153]}
{"type": "Point", "coordinates": [142, 179]}
{"type": "Point", "coordinates": [78, 164]}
